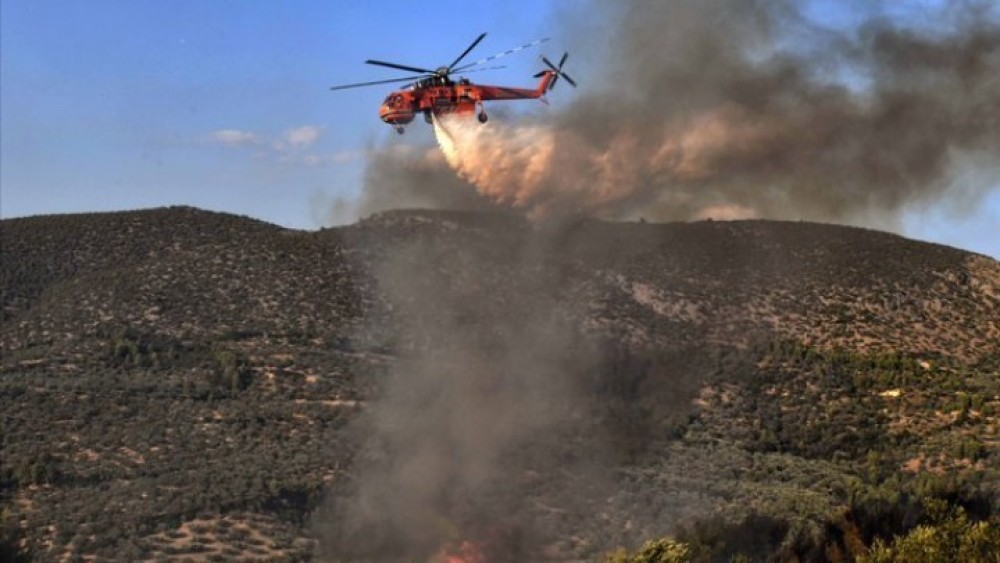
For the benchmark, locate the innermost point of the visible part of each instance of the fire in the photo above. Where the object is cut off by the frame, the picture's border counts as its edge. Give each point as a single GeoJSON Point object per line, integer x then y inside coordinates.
{"type": "Point", "coordinates": [465, 552]}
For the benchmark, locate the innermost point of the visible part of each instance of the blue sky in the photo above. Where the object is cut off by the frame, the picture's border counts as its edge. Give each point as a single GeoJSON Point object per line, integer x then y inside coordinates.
{"type": "Point", "coordinates": [108, 105]}
{"type": "Point", "coordinates": [111, 105]}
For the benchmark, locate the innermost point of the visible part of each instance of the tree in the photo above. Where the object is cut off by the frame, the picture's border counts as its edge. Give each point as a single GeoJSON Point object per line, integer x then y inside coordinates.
{"type": "Point", "coordinates": [953, 538]}
{"type": "Point", "coordinates": [663, 550]}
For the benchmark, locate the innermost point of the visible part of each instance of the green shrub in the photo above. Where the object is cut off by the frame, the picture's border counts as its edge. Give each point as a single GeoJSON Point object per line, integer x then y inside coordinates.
{"type": "Point", "coordinates": [954, 538]}
{"type": "Point", "coordinates": [663, 550]}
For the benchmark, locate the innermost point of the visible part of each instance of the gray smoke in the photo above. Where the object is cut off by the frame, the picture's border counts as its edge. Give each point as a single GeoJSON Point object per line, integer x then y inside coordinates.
{"type": "Point", "coordinates": [414, 177]}
{"type": "Point", "coordinates": [487, 386]}
{"type": "Point", "coordinates": [728, 109]}
{"type": "Point", "coordinates": [718, 108]}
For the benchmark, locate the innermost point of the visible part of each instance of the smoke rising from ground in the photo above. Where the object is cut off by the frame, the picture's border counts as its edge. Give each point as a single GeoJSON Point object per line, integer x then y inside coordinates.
{"type": "Point", "coordinates": [487, 378]}
{"type": "Point", "coordinates": [739, 109]}
{"type": "Point", "coordinates": [705, 109]}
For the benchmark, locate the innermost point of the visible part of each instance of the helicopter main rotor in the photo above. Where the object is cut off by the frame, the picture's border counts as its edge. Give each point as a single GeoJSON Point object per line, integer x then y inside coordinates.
{"type": "Point", "coordinates": [443, 73]}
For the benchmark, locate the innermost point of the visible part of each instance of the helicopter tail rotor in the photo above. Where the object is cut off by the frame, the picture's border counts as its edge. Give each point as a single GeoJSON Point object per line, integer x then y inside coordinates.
{"type": "Point", "coordinates": [557, 69]}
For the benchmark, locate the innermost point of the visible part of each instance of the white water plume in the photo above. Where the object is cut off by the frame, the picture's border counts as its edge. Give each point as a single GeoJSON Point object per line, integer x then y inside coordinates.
{"type": "Point", "coordinates": [547, 170]}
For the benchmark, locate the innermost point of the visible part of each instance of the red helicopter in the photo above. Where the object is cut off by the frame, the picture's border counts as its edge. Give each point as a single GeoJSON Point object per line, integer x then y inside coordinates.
{"type": "Point", "coordinates": [433, 92]}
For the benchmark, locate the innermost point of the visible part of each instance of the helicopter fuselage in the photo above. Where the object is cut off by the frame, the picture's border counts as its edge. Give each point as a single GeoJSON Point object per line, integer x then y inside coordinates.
{"type": "Point", "coordinates": [439, 96]}
{"type": "Point", "coordinates": [432, 92]}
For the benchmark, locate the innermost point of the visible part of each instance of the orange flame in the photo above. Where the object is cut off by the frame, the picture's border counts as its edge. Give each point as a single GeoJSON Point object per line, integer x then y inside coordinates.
{"type": "Point", "coordinates": [466, 552]}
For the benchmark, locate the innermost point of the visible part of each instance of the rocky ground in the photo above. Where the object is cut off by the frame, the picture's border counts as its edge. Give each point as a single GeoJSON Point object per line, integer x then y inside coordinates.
{"type": "Point", "coordinates": [179, 384]}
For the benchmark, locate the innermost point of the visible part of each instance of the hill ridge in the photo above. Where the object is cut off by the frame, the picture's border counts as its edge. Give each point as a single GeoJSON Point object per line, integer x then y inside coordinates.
{"type": "Point", "coordinates": [209, 373]}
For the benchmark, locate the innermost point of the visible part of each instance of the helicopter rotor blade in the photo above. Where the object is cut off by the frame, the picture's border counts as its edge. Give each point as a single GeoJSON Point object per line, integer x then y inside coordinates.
{"type": "Point", "coordinates": [451, 69]}
{"type": "Point", "coordinates": [498, 55]}
{"type": "Point", "coordinates": [562, 61]}
{"type": "Point", "coordinates": [549, 63]}
{"type": "Point", "coordinates": [466, 52]}
{"type": "Point", "coordinates": [401, 67]}
{"type": "Point", "coordinates": [376, 82]}
{"type": "Point", "coordinates": [496, 67]}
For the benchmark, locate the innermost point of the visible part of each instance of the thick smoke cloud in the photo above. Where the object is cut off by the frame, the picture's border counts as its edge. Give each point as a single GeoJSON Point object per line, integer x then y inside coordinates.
{"type": "Point", "coordinates": [733, 109]}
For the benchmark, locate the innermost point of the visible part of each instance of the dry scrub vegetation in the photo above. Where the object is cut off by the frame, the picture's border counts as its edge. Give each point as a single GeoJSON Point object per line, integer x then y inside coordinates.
{"type": "Point", "coordinates": [179, 384]}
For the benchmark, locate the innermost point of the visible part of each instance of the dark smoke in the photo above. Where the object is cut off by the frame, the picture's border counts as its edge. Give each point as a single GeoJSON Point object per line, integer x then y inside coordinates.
{"type": "Point", "coordinates": [813, 147]}
{"type": "Point", "coordinates": [732, 108]}
{"type": "Point", "coordinates": [414, 178]}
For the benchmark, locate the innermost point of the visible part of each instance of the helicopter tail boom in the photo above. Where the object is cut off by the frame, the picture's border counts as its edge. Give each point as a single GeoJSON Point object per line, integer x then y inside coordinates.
{"type": "Point", "coordinates": [549, 78]}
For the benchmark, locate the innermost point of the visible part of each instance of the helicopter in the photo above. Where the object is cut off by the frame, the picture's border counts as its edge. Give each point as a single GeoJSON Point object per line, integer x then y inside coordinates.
{"type": "Point", "coordinates": [434, 92]}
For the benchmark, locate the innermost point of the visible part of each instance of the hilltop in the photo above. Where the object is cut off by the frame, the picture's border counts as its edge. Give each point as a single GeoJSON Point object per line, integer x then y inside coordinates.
{"type": "Point", "coordinates": [183, 383]}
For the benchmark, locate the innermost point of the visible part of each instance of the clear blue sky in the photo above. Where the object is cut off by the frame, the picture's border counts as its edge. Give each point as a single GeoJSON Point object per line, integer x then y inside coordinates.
{"type": "Point", "coordinates": [224, 105]}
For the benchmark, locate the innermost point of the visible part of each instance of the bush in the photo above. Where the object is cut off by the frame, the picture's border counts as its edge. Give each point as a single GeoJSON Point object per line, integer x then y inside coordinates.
{"type": "Point", "coordinates": [663, 550]}
{"type": "Point", "coordinates": [953, 538]}
{"type": "Point", "coordinates": [232, 371]}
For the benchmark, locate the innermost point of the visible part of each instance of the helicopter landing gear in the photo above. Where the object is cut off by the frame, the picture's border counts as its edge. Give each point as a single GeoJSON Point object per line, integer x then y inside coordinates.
{"type": "Point", "coordinates": [483, 118]}
{"type": "Point", "coordinates": [428, 118]}
{"type": "Point", "coordinates": [400, 130]}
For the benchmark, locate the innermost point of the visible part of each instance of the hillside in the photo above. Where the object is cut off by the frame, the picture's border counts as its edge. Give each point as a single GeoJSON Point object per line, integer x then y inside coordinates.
{"type": "Point", "coordinates": [178, 383]}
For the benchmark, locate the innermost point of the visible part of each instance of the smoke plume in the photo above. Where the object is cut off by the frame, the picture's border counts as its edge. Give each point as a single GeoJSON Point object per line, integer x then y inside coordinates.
{"type": "Point", "coordinates": [476, 410]}
{"type": "Point", "coordinates": [700, 108]}
{"type": "Point", "coordinates": [734, 109]}
{"type": "Point", "coordinates": [414, 177]}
